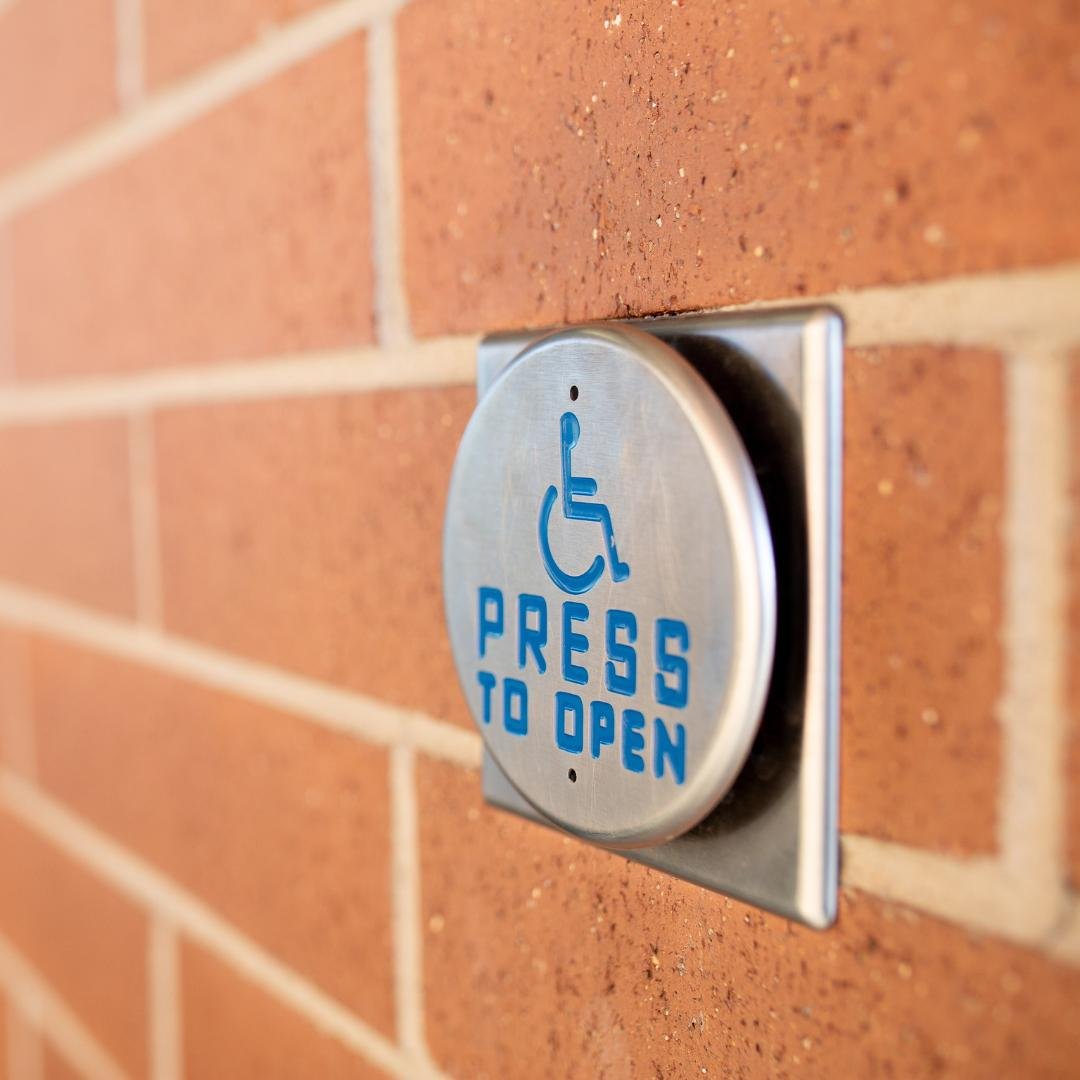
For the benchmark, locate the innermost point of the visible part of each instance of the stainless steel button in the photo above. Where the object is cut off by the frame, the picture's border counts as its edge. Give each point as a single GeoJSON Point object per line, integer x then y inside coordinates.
{"type": "Point", "coordinates": [610, 586]}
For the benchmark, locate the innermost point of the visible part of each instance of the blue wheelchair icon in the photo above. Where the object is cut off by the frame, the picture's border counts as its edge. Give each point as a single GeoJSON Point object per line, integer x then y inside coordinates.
{"type": "Point", "coordinates": [576, 509]}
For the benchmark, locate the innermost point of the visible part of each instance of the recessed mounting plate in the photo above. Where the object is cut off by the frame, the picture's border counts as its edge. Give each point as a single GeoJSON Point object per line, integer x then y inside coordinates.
{"type": "Point", "coordinates": [772, 840]}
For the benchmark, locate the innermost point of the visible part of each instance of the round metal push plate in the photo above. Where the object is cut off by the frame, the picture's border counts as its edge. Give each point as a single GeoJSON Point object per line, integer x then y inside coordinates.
{"type": "Point", "coordinates": [609, 584]}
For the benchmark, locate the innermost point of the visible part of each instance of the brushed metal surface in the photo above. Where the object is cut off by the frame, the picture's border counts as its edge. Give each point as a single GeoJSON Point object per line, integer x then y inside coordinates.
{"type": "Point", "coordinates": [671, 532]}
{"type": "Point", "coordinates": [772, 840]}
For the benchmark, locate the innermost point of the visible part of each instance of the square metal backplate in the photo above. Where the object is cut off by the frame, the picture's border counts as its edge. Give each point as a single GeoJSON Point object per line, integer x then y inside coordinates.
{"type": "Point", "coordinates": [772, 841]}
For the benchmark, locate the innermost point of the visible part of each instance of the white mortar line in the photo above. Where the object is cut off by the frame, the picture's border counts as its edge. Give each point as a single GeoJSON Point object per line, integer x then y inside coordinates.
{"type": "Point", "coordinates": [129, 52]}
{"type": "Point", "coordinates": [1065, 941]}
{"type": "Point", "coordinates": [146, 553]}
{"type": "Point", "coordinates": [1031, 309]}
{"type": "Point", "coordinates": [25, 1046]}
{"type": "Point", "coordinates": [179, 105]}
{"type": "Point", "coordinates": [131, 875]}
{"type": "Point", "coordinates": [340, 710]}
{"type": "Point", "coordinates": [995, 309]}
{"type": "Point", "coordinates": [1031, 828]}
{"type": "Point", "coordinates": [408, 946]}
{"type": "Point", "coordinates": [391, 306]}
{"type": "Point", "coordinates": [979, 893]}
{"type": "Point", "coordinates": [434, 363]}
{"type": "Point", "coordinates": [52, 1016]}
{"type": "Point", "coordinates": [443, 741]}
{"type": "Point", "coordinates": [163, 998]}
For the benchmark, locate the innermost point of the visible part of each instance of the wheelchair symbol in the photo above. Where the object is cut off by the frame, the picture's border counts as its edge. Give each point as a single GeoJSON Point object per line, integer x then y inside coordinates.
{"type": "Point", "coordinates": [577, 509]}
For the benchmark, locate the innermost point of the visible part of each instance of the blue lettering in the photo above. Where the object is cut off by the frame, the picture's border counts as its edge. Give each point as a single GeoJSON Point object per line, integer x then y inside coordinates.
{"type": "Point", "coordinates": [532, 639]}
{"type": "Point", "coordinates": [667, 663]}
{"type": "Point", "coordinates": [487, 681]}
{"type": "Point", "coordinates": [569, 705]}
{"type": "Point", "coordinates": [601, 725]}
{"type": "Point", "coordinates": [633, 742]}
{"type": "Point", "coordinates": [491, 615]}
{"type": "Point", "coordinates": [574, 642]}
{"type": "Point", "coordinates": [516, 722]}
{"type": "Point", "coordinates": [621, 653]}
{"type": "Point", "coordinates": [673, 751]}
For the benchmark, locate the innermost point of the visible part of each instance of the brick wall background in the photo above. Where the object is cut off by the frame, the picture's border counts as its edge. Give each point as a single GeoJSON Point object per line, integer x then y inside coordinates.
{"type": "Point", "coordinates": [246, 251]}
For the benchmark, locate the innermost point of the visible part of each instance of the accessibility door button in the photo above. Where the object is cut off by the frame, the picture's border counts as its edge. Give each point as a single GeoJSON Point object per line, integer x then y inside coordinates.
{"type": "Point", "coordinates": [610, 586]}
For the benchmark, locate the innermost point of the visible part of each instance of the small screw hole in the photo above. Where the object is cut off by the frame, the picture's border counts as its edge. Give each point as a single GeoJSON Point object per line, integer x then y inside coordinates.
{"type": "Point", "coordinates": [573, 393]}
{"type": "Point", "coordinates": [573, 776]}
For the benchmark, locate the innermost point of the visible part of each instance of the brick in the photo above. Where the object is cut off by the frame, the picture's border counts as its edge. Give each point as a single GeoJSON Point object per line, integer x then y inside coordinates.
{"type": "Point", "coordinates": [87, 941]}
{"type": "Point", "coordinates": [308, 533]}
{"type": "Point", "coordinates": [20, 1041]}
{"type": "Point", "coordinates": [1072, 642]}
{"type": "Point", "coordinates": [16, 731]}
{"type": "Point", "coordinates": [280, 825]}
{"type": "Point", "coordinates": [572, 161]}
{"type": "Point", "coordinates": [55, 1066]}
{"type": "Point", "coordinates": [66, 526]}
{"type": "Point", "coordinates": [244, 234]}
{"type": "Point", "coordinates": [57, 73]}
{"type": "Point", "coordinates": [233, 1028]}
{"type": "Point", "coordinates": [922, 601]}
{"type": "Point", "coordinates": [7, 359]}
{"type": "Point", "coordinates": [181, 37]}
{"type": "Point", "coordinates": [569, 956]}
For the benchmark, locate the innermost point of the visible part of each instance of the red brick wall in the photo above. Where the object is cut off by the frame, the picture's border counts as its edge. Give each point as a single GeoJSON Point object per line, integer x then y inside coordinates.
{"type": "Point", "coordinates": [246, 250]}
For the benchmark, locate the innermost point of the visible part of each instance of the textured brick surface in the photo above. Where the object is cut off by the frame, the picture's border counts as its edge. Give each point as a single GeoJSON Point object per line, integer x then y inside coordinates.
{"type": "Point", "coordinates": [566, 956]}
{"type": "Point", "coordinates": [234, 1029]}
{"type": "Point", "coordinates": [7, 356]}
{"type": "Point", "coordinates": [57, 73]}
{"type": "Point", "coordinates": [10, 708]}
{"type": "Point", "coordinates": [245, 233]}
{"type": "Point", "coordinates": [280, 825]}
{"type": "Point", "coordinates": [55, 1066]}
{"type": "Point", "coordinates": [87, 941]}
{"type": "Point", "coordinates": [22, 1047]}
{"type": "Point", "coordinates": [182, 35]}
{"type": "Point", "coordinates": [20, 1042]}
{"type": "Point", "coordinates": [66, 520]}
{"type": "Point", "coordinates": [1072, 643]}
{"type": "Point", "coordinates": [922, 663]}
{"type": "Point", "coordinates": [307, 533]}
{"type": "Point", "coordinates": [575, 161]}
{"type": "Point", "coordinates": [16, 738]}
{"type": "Point", "coordinates": [559, 162]}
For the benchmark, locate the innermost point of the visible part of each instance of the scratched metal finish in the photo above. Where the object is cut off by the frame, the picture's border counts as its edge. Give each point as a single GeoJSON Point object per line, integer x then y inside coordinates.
{"type": "Point", "coordinates": [690, 535]}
